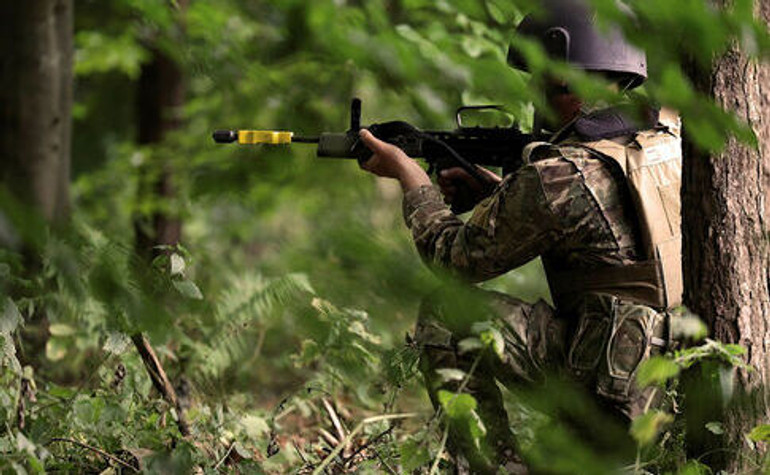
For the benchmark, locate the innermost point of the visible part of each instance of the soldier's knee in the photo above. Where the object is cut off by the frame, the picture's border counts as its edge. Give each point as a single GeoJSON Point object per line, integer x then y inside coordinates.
{"type": "Point", "coordinates": [610, 348]}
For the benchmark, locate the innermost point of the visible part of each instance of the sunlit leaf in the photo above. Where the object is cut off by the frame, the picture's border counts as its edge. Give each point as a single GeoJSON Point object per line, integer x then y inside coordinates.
{"type": "Point", "coordinates": [656, 371]}
{"type": "Point", "coordinates": [96, 52]}
{"type": "Point", "coordinates": [470, 344]}
{"type": "Point", "coordinates": [456, 405]}
{"type": "Point", "coordinates": [56, 349]}
{"type": "Point", "coordinates": [188, 289]}
{"type": "Point", "coordinates": [715, 428]}
{"type": "Point", "coordinates": [490, 337]}
{"type": "Point", "coordinates": [645, 428]}
{"type": "Point", "coordinates": [451, 374]}
{"type": "Point", "coordinates": [61, 329]}
{"type": "Point", "coordinates": [760, 433]}
{"type": "Point", "coordinates": [177, 264]}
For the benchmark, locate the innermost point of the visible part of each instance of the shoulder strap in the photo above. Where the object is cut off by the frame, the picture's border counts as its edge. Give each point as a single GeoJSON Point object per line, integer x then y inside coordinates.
{"type": "Point", "coordinates": [669, 118]}
{"type": "Point", "coordinates": [613, 151]}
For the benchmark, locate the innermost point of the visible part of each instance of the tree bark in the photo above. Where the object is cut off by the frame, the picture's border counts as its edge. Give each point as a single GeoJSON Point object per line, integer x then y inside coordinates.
{"type": "Point", "coordinates": [725, 221]}
{"type": "Point", "coordinates": [36, 100]}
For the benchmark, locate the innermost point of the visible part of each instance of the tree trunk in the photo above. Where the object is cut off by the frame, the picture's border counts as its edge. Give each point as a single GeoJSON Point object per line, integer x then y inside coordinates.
{"type": "Point", "coordinates": [159, 100]}
{"type": "Point", "coordinates": [36, 51]}
{"type": "Point", "coordinates": [725, 233]}
{"type": "Point", "coordinates": [160, 97]}
{"type": "Point", "coordinates": [36, 100]}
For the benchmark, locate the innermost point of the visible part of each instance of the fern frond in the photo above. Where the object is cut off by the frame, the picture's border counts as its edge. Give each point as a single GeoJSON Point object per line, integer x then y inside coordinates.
{"type": "Point", "coordinates": [249, 302]}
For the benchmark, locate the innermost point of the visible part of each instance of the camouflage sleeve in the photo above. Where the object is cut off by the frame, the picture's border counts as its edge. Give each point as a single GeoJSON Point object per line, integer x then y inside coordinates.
{"type": "Point", "coordinates": [506, 230]}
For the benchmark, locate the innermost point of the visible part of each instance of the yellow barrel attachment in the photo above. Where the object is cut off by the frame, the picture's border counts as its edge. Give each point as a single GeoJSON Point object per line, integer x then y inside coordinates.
{"type": "Point", "coordinates": [270, 137]}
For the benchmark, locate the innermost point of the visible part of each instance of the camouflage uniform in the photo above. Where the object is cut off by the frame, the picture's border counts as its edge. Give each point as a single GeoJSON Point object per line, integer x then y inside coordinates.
{"type": "Point", "coordinates": [566, 206]}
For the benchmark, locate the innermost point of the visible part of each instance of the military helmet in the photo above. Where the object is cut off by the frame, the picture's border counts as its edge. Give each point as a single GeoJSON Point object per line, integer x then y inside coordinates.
{"type": "Point", "coordinates": [568, 32]}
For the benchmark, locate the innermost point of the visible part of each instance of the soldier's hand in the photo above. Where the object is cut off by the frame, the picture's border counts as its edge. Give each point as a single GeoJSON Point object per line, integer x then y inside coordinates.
{"type": "Point", "coordinates": [390, 161]}
{"type": "Point", "coordinates": [451, 181]}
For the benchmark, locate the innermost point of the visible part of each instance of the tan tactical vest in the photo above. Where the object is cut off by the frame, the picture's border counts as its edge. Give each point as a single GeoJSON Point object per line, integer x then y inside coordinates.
{"type": "Point", "coordinates": [652, 165]}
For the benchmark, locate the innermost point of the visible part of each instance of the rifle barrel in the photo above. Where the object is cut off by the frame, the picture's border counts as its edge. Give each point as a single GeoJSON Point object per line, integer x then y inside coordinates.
{"type": "Point", "coordinates": [300, 139]}
{"type": "Point", "coordinates": [270, 137]}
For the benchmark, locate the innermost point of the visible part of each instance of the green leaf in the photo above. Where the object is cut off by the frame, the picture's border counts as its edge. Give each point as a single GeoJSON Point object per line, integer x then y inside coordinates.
{"type": "Point", "coordinates": [490, 337]}
{"type": "Point", "coordinates": [677, 88]}
{"type": "Point", "coordinates": [645, 428]}
{"type": "Point", "coordinates": [188, 289]}
{"type": "Point", "coordinates": [734, 349]}
{"type": "Point", "coordinates": [760, 433]}
{"type": "Point", "coordinates": [310, 351]}
{"type": "Point", "coordinates": [56, 349]}
{"type": "Point", "coordinates": [496, 13]}
{"type": "Point", "coordinates": [11, 318]}
{"type": "Point", "coordinates": [241, 451]}
{"type": "Point", "coordinates": [656, 371]}
{"type": "Point", "coordinates": [254, 426]}
{"type": "Point", "coordinates": [470, 344]}
{"type": "Point", "coordinates": [96, 52]}
{"type": "Point", "coordinates": [414, 454]}
{"type": "Point", "coordinates": [476, 428]}
{"type": "Point", "coordinates": [177, 264]}
{"type": "Point", "coordinates": [116, 343]}
{"type": "Point", "coordinates": [61, 392]}
{"type": "Point", "coordinates": [456, 405]}
{"type": "Point", "coordinates": [61, 329]}
{"type": "Point", "coordinates": [460, 409]}
{"type": "Point", "coordinates": [451, 374]}
{"type": "Point", "coordinates": [693, 467]}
{"type": "Point", "coordinates": [494, 340]}
{"type": "Point", "coordinates": [715, 428]}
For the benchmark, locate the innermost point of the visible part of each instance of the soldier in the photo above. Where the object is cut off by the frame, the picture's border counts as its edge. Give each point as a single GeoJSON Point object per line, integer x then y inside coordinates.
{"type": "Point", "coordinates": [598, 201]}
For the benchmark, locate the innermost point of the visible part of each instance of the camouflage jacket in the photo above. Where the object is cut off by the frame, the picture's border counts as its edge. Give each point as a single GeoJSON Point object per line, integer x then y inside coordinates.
{"type": "Point", "coordinates": [563, 205]}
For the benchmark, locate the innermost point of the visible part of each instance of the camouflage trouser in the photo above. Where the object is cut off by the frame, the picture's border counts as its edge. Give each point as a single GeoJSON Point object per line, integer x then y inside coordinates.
{"type": "Point", "coordinates": [600, 346]}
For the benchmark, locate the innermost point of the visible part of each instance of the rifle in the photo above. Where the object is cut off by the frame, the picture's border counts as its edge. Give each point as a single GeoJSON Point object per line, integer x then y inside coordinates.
{"type": "Point", "coordinates": [465, 147]}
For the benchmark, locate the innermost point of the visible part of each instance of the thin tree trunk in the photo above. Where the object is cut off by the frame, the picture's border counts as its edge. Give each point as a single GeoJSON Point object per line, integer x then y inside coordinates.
{"type": "Point", "coordinates": [36, 98]}
{"type": "Point", "coordinates": [160, 98]}
{"type": "Point", "coordinates": [36, 52]}
{"type": "Point", "coordinates": [159, 101]}
{"type": "Point", "coordinates": [725, 235]}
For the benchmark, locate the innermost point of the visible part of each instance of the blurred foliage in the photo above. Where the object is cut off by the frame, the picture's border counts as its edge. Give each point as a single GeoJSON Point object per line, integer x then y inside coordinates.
{"type": "Point", "coordinates": [297, 284]}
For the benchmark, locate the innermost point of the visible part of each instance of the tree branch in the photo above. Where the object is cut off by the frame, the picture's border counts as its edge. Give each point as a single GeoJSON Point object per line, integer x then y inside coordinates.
{"type": "Point", "coordinates": [95, 450]}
